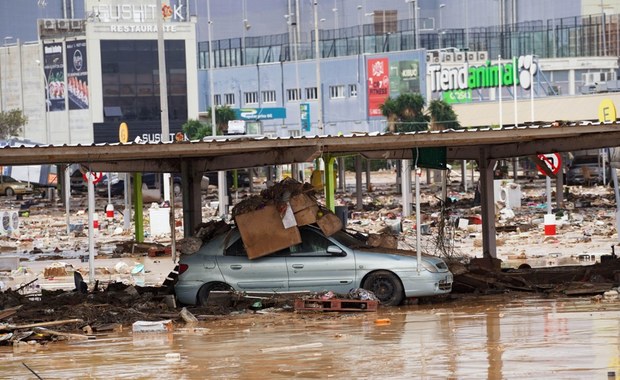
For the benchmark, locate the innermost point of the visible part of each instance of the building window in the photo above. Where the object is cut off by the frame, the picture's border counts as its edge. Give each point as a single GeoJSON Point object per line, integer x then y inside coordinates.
{"type": "Point", "coordinates": [217, 99]}
{"type": "Point", "coordinates": [293, 94]}
{"type": "Point", "coordinates": [336, 92]}
{"type": "Point", "coordinates": [229, 99]}
{"type": "Point", "coordinates": [311, 93]}
{"type": "Point", "coordinates": [269, 96]}
{"type": "Point", "coordinates": [353, 90]}
{"type": "Point", "coordinates": [251, 97]}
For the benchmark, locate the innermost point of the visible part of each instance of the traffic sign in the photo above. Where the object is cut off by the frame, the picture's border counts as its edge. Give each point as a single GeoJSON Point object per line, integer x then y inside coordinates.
{"type": "Point", "coordinates": [97, 176]}
{"type": "Point", "coordinates": [553, 162]}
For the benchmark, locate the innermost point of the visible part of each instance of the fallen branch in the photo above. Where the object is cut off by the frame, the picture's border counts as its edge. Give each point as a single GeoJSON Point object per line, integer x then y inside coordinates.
{"type": "Point", "coordinates": [52, 323]}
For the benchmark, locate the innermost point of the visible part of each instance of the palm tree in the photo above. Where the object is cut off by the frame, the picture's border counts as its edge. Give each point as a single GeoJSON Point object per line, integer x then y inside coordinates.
{"type": "Point", "coordinates": [223, 114]}
{"type": "Point", "coordinates": [390, 109]}
{"type": "Point", "coordinates": [405, 113]}
{"type": "Point", "coordinates": [442, 116]}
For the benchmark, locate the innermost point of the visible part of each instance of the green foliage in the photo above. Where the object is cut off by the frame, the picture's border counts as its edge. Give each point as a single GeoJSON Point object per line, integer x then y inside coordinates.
{"type": "Point", "coordinates": [443, 115]}
{"type": "Point", "coordinates": [196, 130]}
{"type": "Point", "coordinates": [11, 123]}
{"type": "Point", "coordinates": [223, 114]}
{"type": "Point", "coordinates": [405, 113]}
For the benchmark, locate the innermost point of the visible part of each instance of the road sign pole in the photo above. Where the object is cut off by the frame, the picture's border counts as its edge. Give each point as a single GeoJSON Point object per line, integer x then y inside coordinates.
{"type": "Point", "coordinates": [548, 195]}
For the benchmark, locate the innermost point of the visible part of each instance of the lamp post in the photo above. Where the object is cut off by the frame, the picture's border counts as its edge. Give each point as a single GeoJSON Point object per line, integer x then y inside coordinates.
{"type": "Point", "coordinates": [221, 175]}
{"type": "Point", "coordinates": [440, 36]}
{"type": "Point", "coordinates": [413, 14]}
{"type": "Point", "coordinates": [317, 52]}
{"type": "Point", "coordinates": [47, 100]}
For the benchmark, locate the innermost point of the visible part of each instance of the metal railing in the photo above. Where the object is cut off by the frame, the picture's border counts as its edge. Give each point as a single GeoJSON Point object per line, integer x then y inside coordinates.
{"type": "Point", "coordinates": [593, 35]}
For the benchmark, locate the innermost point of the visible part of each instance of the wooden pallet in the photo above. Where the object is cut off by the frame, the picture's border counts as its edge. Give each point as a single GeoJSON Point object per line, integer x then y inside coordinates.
{"type": "Point", "coordinates": [335, 304]}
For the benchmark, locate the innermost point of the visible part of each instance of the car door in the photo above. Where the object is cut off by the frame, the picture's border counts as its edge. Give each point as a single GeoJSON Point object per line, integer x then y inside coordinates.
{"type": "Point", "coordinates": [312, 267]}
{"type": "Point", "coordinates": [265, 274]}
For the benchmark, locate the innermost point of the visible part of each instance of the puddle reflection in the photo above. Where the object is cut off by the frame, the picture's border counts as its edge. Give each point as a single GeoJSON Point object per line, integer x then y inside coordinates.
{"type": "Point", "coordinates": [494, 339]}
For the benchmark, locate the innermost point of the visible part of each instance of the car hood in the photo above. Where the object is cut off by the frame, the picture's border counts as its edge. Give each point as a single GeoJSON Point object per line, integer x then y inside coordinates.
{"type": "Point", "coordinates": [405, 258]}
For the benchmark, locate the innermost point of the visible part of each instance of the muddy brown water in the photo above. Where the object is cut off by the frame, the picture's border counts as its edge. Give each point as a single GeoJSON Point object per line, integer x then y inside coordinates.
{"type": "Point", "coordinates": [491, 337]}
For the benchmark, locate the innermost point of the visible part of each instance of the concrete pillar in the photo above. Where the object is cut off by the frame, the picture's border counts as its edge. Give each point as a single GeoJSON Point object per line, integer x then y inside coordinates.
{"type": "Point", "coordinates": [487, 201]}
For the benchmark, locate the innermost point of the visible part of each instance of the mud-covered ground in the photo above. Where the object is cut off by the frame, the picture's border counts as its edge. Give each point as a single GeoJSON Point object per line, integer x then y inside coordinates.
{"type": "Point", "coordinates": [130, 276]}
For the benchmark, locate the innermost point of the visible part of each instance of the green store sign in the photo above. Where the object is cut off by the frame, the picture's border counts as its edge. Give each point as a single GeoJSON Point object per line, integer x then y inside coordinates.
{"type": "Point", "coordinates": [506, 73]}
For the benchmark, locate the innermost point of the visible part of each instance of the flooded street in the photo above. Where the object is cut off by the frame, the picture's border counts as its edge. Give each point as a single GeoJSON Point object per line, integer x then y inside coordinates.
{"type": "Point", "coordinates": [490, 337]}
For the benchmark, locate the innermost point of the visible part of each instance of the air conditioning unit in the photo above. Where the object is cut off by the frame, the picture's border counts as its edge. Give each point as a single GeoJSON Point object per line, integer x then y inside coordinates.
{"type": "Point", "coordinates": [483, 56]}
{"type": "Point", "coordinates": [49, 23]}
{"type": "Point", "coordinates": [62, 24]}
{"type": "Point", "coordinates": [77, 24]}
{"type": "Point", "coordinates": [436, 60]}
{"type": "Point", "coordinates": [447, 57]}
{"type": "Point", "coordinates": [459, 56]}
{"type": "Point", "coordinates": [472, 56]}
{"type": "Point", "coordinates": [429, 57]}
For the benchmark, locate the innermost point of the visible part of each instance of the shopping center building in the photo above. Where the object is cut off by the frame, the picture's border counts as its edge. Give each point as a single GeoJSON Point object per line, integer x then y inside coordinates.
{"type": "Point", "coordinates": [95, 65]}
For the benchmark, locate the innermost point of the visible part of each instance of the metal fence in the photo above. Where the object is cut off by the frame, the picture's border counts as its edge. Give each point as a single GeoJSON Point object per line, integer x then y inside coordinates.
{"type": "Point", "coordinates": [594, 35]}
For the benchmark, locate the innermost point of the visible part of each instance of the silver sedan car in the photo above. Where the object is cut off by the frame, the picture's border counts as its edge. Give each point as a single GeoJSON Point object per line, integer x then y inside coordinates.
{"type": "Point", "coordinates": [338, 263]}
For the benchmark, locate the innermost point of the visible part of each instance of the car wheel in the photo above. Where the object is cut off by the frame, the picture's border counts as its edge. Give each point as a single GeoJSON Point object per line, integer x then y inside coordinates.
{"type": "Point", "coordinates": [9, 192]}
{"type": "Point", "coordinates": [386, 286]}
{"type": "Point", "coordinates": [203, 293]}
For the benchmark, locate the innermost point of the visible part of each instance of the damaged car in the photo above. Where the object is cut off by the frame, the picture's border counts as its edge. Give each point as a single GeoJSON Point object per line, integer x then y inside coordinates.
{"type": "Point", "coordinates": [339, 263]}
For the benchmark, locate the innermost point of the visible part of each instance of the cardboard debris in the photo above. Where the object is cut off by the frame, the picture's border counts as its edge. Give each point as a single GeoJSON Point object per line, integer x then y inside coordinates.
{"type": "Point", "coordinates": [329, 223]}
{"type": "Point", "coordinates": [263, 233]}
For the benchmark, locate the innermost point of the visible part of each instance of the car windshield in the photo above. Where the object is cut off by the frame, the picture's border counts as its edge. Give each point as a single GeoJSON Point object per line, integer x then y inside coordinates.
{"type": "Point", "coordinates": [581, 161]}
{"type": "Point", "coordinates": [348, 240]}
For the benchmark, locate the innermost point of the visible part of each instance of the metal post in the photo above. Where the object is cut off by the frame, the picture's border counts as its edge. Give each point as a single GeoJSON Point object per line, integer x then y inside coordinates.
{"type": "Point", "coordinates": [221, 175]}
{"type": "Point", "coordinates": [163, 91]}
{"type": "Point", "coordinates": [91, 232]}
{"type": "Point", "coordinates": [499, 90]}
{"type": "Point", "coordinates": [317, 52]}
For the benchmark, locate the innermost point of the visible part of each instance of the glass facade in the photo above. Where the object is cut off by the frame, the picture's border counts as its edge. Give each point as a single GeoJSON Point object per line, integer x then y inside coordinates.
{"type": "Point", "coordinates": [130, 80]}
{"type": "Point", "coordinates": [585, 36]}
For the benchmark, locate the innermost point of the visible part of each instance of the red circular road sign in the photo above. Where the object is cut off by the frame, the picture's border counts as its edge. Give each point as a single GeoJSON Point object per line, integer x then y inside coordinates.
{"type": "Point", "coordinates": [97, 176]}
{"type": "Point", "coordinates": [553, 162]}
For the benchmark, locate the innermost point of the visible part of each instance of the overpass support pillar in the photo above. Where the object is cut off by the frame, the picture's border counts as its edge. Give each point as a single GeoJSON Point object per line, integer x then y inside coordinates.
{"type": "Point", "coordinates": [487, 201]}
{"type": "Point", "coordinates": [192, 198]}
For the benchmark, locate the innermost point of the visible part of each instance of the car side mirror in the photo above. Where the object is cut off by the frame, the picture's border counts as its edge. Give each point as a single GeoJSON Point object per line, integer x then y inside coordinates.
{"type": "Point", "coordinates": [336, 251]}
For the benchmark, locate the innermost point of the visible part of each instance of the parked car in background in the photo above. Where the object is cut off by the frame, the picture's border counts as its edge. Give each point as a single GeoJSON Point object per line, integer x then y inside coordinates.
{"type": "Point", "coordinates": [339, 263]}
{"type": "Point", "coordinates": [243, 178]}
{"type": "Point", "coordinates": [587, 170]}
{"type": "Point", "coordinates": [151, 180]}
{"type": "Point", "coordinates": [9, 186]}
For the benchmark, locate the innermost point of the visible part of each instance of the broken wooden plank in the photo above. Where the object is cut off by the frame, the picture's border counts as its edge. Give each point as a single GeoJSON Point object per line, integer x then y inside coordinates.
{"type": "Point", "coordinates": [43, 330]}
{"type": "Point", "coordinates": [9, 311]}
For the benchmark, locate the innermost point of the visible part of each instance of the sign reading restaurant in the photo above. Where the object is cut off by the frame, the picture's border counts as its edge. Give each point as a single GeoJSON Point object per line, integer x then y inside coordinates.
{"type": "Point", "coordinates": [466, 77]}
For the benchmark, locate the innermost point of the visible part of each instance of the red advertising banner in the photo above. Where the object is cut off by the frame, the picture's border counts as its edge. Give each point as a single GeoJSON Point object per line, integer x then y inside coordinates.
{"type": "Point", "coordinates": [378, 85]}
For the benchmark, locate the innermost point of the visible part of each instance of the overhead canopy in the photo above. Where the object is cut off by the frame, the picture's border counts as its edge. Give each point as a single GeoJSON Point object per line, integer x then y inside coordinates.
{"type": "Point", "coordinates": [229, 152]}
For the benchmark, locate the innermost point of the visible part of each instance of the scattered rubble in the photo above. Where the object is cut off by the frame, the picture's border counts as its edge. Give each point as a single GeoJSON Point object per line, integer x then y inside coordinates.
{"type": "Point", "coordinates": [576, 261]}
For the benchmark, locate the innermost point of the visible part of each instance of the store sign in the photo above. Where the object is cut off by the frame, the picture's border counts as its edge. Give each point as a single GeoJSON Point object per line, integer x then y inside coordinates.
{"type": "Point", "coordinates": [138, 13]}
{"type": "Point", "coordinates": [489, 75]}
{"type": "Point", "coordinates": [77, 75]}
{"type": "Point", "coordinates": [260, 113]}
{"type": "Point", "coordinates": [304, 116]}
{"type": "Point", "coordinates": [54, 71]}
{"type": "Point", "coordinates": [378, 85]}
{"type": "Point", "coordinates": [404, 77]}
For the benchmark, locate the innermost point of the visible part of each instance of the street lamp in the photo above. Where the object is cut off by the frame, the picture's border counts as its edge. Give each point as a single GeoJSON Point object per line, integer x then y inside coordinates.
{"type": "Point", "coordinates": [440, 37]}
{"type": "Point", "coordinates": [48, 98]}
{"type": "Point", "coordinates": [413, 14]}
